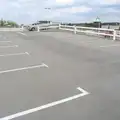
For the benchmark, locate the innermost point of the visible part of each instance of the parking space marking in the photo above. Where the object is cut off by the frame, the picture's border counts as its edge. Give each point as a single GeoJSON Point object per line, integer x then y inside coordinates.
{"type": "Point", "coordinates": [86, 41]}
{"type": "Point", "coordinates": [8, 46]}
{"type": "Point", "coordinates": [116, 45]}
{"type": "Point", "coordinates": [14, 54]}
{"type": "Point", "coordinates": [47, 105]}
{"type": "Point", "coordinates": [22, 33]}
{"type": "Point", "coordinates": [5, 41]}
{"type": "Point", "coordinates": [24, 68]}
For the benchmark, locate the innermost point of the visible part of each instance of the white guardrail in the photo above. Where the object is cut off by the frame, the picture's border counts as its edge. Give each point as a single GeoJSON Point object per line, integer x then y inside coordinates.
{"type": "Point", "coordinates": [86, 30]}
{"type": "Point", "coordinates": [91, 31]}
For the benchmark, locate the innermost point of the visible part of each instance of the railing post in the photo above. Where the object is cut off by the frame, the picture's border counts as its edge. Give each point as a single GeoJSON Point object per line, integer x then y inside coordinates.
{"type": "Point", "coordinates": [38, 28]}
{"type": "Point", "coordinates": [114, 35]}
{"type": "Point", "coordinates": [75, 30]}
{"type": "Point", "coordinates": [22, 28]}
{"type": "Point", "coordinates": [50, 23]}
{"type": "Point", "coordinates": [59, 26]}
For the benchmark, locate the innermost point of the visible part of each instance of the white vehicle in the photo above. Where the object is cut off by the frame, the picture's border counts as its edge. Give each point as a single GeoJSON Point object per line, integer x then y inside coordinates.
{"type": "Point", "coordinates": [33, 27]}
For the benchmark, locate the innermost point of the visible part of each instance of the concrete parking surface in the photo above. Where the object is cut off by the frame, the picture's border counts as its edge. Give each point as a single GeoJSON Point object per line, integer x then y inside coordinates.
{"type": "Point", "coordinates": [57, 75]}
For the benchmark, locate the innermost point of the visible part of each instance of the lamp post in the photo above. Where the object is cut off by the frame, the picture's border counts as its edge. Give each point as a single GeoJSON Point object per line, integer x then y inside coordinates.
{"type": "Point", "coordinates": [48, 9]}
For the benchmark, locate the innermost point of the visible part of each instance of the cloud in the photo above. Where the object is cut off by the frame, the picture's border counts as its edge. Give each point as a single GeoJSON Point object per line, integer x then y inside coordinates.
{"type": "Point", "coordinates": [63, 2]}
{"type": "Point", "coordinates": [28, 11]}
{"type": "Point", "coordinates": [73, 10]}
{"type": "Point", "coordinates": [108, 2]}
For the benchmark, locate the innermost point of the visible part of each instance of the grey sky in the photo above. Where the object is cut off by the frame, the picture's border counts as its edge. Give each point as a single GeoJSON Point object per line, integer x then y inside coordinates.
{"type": "Point", "coordinates": [28, 11]}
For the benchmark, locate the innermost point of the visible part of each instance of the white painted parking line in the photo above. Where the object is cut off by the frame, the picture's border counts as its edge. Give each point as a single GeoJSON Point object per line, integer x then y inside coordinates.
{"type": "Point", "coordinates": [116, 45]}
{"type": "Point", "coordinates": [47, 105]}
{"type": "Point", "coordinates": [86, 41]}
{"type": "Point", "coordinates": [8, 46]}
{"type": "Point", "coordinates": [27, 53]}
{"type": "Point", "coordinates": [24, 68]}
{"type": "Point", "coordinates": [5, 41]}
{"type": "Point", "coordinates": [22, 33]}
{"type": "Point", "coordinates": [14, 54]}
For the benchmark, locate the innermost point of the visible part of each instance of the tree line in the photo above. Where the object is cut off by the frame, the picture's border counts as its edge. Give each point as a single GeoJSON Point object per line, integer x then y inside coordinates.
{"type": "Point", "coordinates": [8, 23]}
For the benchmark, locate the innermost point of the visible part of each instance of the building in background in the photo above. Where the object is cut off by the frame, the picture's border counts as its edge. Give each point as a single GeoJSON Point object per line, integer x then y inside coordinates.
{"type": "Point", "coordinates": [97, 23]}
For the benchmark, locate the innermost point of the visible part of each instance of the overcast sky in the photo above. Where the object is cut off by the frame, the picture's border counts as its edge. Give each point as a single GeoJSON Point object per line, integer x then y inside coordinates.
{"type": "Point", "coordinates": [29, 11]}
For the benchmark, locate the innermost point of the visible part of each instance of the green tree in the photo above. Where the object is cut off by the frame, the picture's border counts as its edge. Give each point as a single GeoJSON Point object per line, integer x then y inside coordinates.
{"type": "Point", "coordinates": [12, 23]}
{"type": "Point", "coordinates": [1, 23]}
{"type": "Point", "coordinates": [8, 23]}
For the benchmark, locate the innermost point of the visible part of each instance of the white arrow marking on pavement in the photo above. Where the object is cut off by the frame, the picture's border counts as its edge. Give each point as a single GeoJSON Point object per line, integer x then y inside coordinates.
{"type": "Point", "coordinates": [22, 33]}
{"type": "Point", "coordinates": [14, 54]}
{"type": "Point", "coordinates": [24, 68]}
{"type": "Point", "coordinates": [8, 46]}
{"type": "Point", "coordinates": [47, 105]}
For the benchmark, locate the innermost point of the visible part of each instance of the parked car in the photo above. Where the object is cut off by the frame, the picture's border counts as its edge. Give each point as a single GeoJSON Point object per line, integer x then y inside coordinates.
{"type": "Point", "coordinates": [32, 28]}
